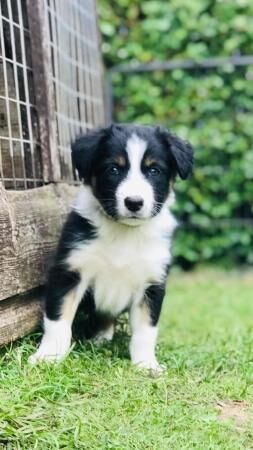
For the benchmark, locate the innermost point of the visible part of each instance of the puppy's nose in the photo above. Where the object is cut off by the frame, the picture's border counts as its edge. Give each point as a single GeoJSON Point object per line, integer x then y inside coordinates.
{"type": "Point", "coordinates": [134, 204]}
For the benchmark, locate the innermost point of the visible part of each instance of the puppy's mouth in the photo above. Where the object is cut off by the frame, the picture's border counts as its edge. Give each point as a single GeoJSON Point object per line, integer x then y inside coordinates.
{"type": "Point", "coordinates": [133, 219]}
{"type": "Point", "coordinates": [126, 217]}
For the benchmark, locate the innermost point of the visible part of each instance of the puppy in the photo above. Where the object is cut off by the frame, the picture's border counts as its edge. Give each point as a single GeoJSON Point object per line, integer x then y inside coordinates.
{"type": "Point", "coordinates": [114, 251]}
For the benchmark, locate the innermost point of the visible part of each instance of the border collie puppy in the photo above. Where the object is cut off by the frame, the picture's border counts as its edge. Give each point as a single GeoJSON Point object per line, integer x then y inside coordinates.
{"type": "Point", "coordinates": [114, 251]}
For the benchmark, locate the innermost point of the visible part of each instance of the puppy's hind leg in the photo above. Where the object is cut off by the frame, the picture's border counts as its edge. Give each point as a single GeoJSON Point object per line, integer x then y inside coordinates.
{"type": "Point", "coordinates": [64, 294]}
{"type": "Point", "coordinates": [104, 335]}
{"type": "Point", "coordinates": [99, 327]}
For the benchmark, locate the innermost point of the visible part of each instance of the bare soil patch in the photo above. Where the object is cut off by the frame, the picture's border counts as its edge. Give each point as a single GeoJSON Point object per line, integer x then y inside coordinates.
{"type": "Point", "coordinates": [233, 409]}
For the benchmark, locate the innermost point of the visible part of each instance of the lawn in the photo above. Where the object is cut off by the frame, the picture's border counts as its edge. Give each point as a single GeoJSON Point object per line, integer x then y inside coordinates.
{"type": "Point", "coordinates": [96, 400]}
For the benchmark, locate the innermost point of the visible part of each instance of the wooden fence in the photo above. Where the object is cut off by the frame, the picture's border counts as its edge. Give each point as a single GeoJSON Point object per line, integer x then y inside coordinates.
{"type": "Point", "coordinates": [51, 89]}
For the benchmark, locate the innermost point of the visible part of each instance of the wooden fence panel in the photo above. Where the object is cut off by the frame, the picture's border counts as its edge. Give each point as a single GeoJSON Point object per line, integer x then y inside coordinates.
{"type": "Point", "coordinates": [19, 316]}
{"type": "Point", "coordinates": [30, 224]}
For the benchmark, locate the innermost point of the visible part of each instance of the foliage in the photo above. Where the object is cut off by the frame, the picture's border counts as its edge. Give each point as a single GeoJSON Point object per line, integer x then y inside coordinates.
{"type": "Point", "coordinates": [212, 108]}
{"type": "Point", "coordinates": [96, 400]}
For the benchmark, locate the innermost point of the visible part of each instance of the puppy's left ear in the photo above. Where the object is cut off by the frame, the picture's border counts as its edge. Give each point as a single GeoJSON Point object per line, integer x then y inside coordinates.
{"type": "Point", "coordinates": [181, 152]}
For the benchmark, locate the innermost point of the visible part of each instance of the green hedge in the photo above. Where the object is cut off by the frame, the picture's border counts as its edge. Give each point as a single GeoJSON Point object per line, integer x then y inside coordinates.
{"type": "Point", "coordinates": [212, 108]}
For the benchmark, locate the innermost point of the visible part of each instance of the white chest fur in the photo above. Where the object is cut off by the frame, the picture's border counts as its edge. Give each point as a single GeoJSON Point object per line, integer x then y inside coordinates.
{"type": "Point", "coordinates": [122, 261]}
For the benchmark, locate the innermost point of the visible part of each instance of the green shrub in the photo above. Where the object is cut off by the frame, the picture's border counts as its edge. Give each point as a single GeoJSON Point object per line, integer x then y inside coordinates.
{"type": "Point", "coordinates": [212, 108]}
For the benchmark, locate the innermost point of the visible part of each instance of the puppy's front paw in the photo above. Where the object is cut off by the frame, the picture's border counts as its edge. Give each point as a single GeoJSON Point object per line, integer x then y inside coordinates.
{"type": "Point", "coordinates": [55, 343]}
{"type": "Point", "coordinates": [51, 351]}
{"type": "Point", "coordinates": [152, 365]}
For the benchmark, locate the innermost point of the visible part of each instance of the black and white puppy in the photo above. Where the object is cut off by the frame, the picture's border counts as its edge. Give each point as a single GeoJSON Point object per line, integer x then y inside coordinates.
{"type": "Point", "coordinates": [114, 252]}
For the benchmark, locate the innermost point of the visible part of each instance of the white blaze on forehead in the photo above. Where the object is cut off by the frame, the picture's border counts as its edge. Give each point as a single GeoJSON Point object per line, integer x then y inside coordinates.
{"type": "Point", "coordinates": [135, 148]}
{"type": "Point", "coordinates": [135, 184]}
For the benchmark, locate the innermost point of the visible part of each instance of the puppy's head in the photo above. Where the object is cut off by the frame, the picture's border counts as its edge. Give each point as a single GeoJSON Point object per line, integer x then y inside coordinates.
{"type": "Point", "coordinates": [130, 168]}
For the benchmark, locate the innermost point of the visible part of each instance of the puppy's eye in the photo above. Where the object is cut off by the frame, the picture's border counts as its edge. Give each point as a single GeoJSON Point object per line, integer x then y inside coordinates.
{"type": "Point", "coordinates": [113, 170]}
{"type": "Point", "coordinates": [154, 171]}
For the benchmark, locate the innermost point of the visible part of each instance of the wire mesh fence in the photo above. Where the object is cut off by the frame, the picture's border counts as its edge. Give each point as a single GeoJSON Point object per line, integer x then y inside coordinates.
{"type": "Point", "coordinates": [76, 72]}
{"type": "Point", "coordinates": [20, 162]}
{"type": "Point", "coordinates": [69, 53]}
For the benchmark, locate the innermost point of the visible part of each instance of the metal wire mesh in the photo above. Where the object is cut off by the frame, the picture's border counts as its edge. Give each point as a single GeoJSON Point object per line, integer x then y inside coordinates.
{"type": "Point", "coordinates": [20, 162]}
{"type": "Point", "coordinates": [76, 72]}
{"type": "Point", "coordinates": [75, 75]}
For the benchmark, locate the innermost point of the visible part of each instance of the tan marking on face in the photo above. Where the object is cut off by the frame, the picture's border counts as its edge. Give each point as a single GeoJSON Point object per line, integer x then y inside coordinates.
{"type": "Point", "coordinates": [148, 161]}
{"type": "Point", "coordinates": [120, 160]}
{"type": "Point", "coordinates": [171, 185]}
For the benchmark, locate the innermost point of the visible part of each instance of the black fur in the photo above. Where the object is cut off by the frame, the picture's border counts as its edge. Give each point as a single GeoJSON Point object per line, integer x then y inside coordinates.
{"type": "Point", "coordinates": [96, 156]}
{"type": "Point", "coordinates": [89, 321]}
{"type": "Point", "coordinates": [154, 296]}
{"type": "Point", "coordinates": [60, 279]}
{"type": "Point", "coordinates": [95, 153]}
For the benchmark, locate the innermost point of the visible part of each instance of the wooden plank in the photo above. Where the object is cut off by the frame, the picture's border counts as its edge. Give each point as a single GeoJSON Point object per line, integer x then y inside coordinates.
{"type": "Point", "coordinates": [19, 316]}
{"type": "Point", "coordinates": [44, 89]}
{"type": "Point", "coordinates": [30, 224]}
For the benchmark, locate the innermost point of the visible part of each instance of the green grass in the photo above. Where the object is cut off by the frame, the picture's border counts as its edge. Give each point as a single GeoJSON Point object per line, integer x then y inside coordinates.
{"type": "Point", "coordinates": [96, 400]}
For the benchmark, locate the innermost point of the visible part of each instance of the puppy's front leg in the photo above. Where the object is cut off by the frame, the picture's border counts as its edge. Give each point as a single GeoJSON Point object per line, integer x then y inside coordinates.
{"type": "Point", "coordinates": [64, 293]}
{"type": "Point", "coordinates": [143, 321]}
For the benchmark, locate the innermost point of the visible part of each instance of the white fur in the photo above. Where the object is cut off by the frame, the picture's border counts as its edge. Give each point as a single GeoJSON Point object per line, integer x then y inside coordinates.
{"type": "Point", "coordinates": [135, 183]}
{"type": "Point", "coordinates": [55, 342]}
{"type": "Point", "coordinates": [120, 263]}
{"type": "Point", "coordinates": [143, 340]}
{"type": "Point", "coordinates": [142, 348]}
{"type": "Point", "coordinates": [57, 333]}
{"type": "Point", "coordinates": [123, 261]}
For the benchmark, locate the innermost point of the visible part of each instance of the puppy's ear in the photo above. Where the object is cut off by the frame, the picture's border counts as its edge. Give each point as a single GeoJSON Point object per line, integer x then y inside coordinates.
{"type": "Point", "coordinates": [181, 152]}
{"type": "Point", "coordinates": [83, 152]}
